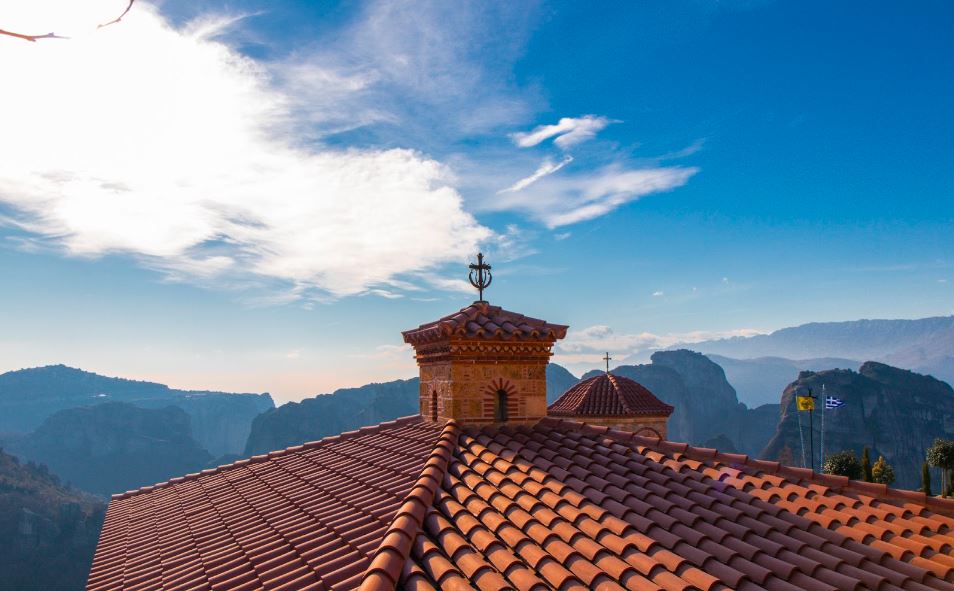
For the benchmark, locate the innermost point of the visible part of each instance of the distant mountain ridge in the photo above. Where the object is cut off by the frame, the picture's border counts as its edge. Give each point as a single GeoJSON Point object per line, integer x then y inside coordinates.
{"type": "Point", "coordinates": [114, 447]}
{"type": "Point", "coordinates": [925, 345]}
{"type": "Point", "coordinates": [760, 381]}
{"type": "Point", "coordinates": [221, 421]}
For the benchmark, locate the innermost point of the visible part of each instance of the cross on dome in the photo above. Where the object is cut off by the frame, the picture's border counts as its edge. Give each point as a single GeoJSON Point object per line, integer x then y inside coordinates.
{"type": "Point", "coordinates": [480, 276]}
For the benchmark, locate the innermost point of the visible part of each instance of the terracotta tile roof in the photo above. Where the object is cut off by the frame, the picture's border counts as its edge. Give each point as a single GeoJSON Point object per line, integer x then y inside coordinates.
{"type": "Point", "coordinates": [558, 505]}
{"type": "Point", "coordinates": [563, 505]}
{"type": "Point", "coordinates": [482, 321]}
{"type": "Point", "coordinates": [608, 395]}
{"type": "Point", "coordinates": [308, 517]}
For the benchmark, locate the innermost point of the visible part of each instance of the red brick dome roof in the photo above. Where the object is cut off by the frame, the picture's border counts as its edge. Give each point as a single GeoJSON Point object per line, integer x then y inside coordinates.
{"type": "Point", "coordinates": [608, 395]}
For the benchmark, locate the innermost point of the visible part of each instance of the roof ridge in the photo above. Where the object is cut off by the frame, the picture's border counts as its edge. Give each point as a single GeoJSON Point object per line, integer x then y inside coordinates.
{"type": "Point", "coordinates": [880, 492]}
{"type": "Point", "coordinates": [400, 421]}
{"type": "Point", "coordinates": [623, 402]}
{"type": "Point", "coordinates": [388, 560]}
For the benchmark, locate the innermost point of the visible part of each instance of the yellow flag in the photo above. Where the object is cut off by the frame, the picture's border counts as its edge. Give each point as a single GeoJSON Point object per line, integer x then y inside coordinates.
{"type": "Point", "coordinates": [805, 402]}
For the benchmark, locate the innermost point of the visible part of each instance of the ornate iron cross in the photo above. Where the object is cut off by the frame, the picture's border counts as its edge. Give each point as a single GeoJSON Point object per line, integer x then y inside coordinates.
{"type": "Point", "coordinates": [480, 276]}
{"type": "Point", "coordinates": [607, 360]}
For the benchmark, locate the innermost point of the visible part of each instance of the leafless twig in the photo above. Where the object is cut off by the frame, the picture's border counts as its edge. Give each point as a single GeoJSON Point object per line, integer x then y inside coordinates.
{"type": "Point", "coordinates": [31, 38]}
{"type": "Point", "coordinates": [34, 38]}
{"type": "Point", "coordinates": [118, 18]}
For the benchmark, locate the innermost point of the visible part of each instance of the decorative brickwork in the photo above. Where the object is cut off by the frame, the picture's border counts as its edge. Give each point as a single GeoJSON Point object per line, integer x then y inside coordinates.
{"type": "Point", "coordinates": [484, 365]}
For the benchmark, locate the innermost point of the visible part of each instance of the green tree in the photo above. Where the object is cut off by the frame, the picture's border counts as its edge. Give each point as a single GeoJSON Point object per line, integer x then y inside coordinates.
{"type": "Point", "coordinates": [843, 463]}
{"type": "Point", "coordinates": [925, 479]}
{"type": "Point", "coordinates": [866, 466]}
{"type": "Point", "coordinates": [941, 455]}
{"type": "Point", "coordinates": [882, 472]}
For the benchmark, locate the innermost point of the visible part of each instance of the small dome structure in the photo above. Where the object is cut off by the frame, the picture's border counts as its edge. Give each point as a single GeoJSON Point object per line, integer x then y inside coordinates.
{"type": "Point", "coordinates": [614, 401]}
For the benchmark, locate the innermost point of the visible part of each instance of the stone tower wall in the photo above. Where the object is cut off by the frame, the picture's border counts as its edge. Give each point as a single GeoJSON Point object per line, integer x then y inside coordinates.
{"type": "Point", "coordinates": [468, 392]}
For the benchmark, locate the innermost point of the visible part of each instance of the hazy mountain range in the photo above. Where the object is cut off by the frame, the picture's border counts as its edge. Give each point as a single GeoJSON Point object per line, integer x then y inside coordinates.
{"type": "Point", "coordinates": [220, 421]}
{"type": "Point", "coordinates": [114, 447]}
{"type": "Point", "coordinates": [759, 381]}
{"type": "Point", "coordinates": [925, 345]}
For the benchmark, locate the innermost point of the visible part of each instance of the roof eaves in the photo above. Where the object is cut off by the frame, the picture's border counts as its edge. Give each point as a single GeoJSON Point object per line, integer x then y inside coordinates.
{"type": "Point", "coordinates": [274, 454]}
{"type": "Point", "coordinates": [389, 559]}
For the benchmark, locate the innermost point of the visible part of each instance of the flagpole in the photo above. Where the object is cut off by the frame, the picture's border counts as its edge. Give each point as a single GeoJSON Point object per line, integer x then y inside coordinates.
{"type": "Point", "coordinates": [821, 452]}
{"type": "Point", "coordinates": [811, 430]}
{"type": "Point", "coordinates": [801, 434]}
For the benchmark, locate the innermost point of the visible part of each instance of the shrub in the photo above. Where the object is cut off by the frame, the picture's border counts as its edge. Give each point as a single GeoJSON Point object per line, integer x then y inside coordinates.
{"type": "Point", "coordinates": [882, 472]}
{"type": "Point", "coordinates": [843, 463]}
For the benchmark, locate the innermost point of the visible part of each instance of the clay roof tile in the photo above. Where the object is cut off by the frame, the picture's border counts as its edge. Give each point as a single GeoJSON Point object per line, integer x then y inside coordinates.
{"type": "Point", "coordinates": [483, 321]}
{"type": "Point", "coordinates": [559, 504]}
{"type": "Point", "coordinates": [608, 395]}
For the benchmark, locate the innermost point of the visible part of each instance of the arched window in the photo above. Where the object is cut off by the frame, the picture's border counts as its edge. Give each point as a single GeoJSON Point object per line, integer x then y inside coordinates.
{"type": "Point", "coordinates": [500, 406]}
{"type": "Point", "coordinates": [434, 406]}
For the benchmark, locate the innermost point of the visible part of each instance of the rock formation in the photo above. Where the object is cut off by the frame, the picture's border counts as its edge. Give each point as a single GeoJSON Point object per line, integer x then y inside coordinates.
{"type": "Point", "coordinates": [48, 532]}
{"type": "Point", "coordinates": [895, 412]}
{"type": "Point", "coordinates": [114, 447]}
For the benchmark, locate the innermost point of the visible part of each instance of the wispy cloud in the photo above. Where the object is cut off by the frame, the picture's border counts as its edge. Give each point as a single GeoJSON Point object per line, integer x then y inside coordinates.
{"type": "Point", "coordinates": [564, 200]}
{"type": "Point", "coordinates": [568, 131]}
{"type": "Point", "coordinates": [547, 168]}
{"type": "Point", "coordinates": [167, 145]}
{"type": "Point", "coordinates": [586, 345]}
{"type": "Point", "coordinates": [415, 71]}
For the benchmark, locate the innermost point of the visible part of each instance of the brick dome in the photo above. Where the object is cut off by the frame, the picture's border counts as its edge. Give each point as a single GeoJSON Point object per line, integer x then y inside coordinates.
{"type": "Point", "coordinates": [608, 395]}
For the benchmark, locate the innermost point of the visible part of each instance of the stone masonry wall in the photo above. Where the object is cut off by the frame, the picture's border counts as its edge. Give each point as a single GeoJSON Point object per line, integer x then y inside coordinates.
{"type": "Point", "coordinates": [466, 391]}
{"type": "Point", "coordinates": [634, 425]}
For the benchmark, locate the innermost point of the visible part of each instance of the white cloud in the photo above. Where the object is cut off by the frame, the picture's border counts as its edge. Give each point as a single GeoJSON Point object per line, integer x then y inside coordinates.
{"type": "Point", "coordinates": [600, 338]}
{"type": "Point", "coordinates": [568, 131]}
{"type": "Point", "coordinates": [547, 168]}
{"type": "Point", "coordinates": [658, 294]}
{"type": "Point", "coordinates": [169, 146]}
{"type": "Point", "coordinates": [561, 201]}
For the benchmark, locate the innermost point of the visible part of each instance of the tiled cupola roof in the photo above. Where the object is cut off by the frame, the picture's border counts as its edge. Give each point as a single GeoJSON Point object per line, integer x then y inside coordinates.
{"type": "Point", "coordinates": [482, 321]}
{"type": "Point", "coordinates": [608, 395]}
{"type": "Point", "coordinates": [554, 505]}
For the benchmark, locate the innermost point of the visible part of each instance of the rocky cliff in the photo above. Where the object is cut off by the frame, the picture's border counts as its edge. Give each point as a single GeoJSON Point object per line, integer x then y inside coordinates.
{"type": "Point", "coordinates": [221, 422]}
{"type": "Point", "coordinates": [48, 532]}
{"type": "Point", "coordinates": [559, 380]}
{"type": "Point", "coordinates": [895, 412]}
{"type": "Point", "coordinates": [761, 380]}
{"type": "Point", "coordinates": [114, 447]}
{"type": "Point", "coordinates": [330, 414]}
{"type": "Point", "coordinates": [706, 406]}
{"type": "Point", "coordinates": [351, 408]}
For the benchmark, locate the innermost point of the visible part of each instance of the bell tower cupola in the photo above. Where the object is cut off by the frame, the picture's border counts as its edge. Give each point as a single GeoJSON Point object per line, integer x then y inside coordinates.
{"type": "Point", "coordinates": [483, 364]}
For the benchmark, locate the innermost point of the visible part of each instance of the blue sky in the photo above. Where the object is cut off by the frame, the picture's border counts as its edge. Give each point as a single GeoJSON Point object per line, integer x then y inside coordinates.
{"type": "Point", "coordinates": [271, 191]}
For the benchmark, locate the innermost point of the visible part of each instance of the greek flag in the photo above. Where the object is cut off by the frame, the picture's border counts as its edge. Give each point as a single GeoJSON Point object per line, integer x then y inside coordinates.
{"type": "Point", "coordinates": [832, 402]}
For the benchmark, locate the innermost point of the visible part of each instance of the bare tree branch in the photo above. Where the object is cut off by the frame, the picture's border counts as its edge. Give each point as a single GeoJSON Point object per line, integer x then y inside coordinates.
{"type": "Point", "coordinates": [34, 38]}
{"type": "Point", "coordinates": [31, 38]}
{"type": "Point", "coordinates": [118, 18]}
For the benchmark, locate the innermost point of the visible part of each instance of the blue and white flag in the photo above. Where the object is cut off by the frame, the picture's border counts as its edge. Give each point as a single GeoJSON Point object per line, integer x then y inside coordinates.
{"type": "Point", "coordinates": [832, 402]}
